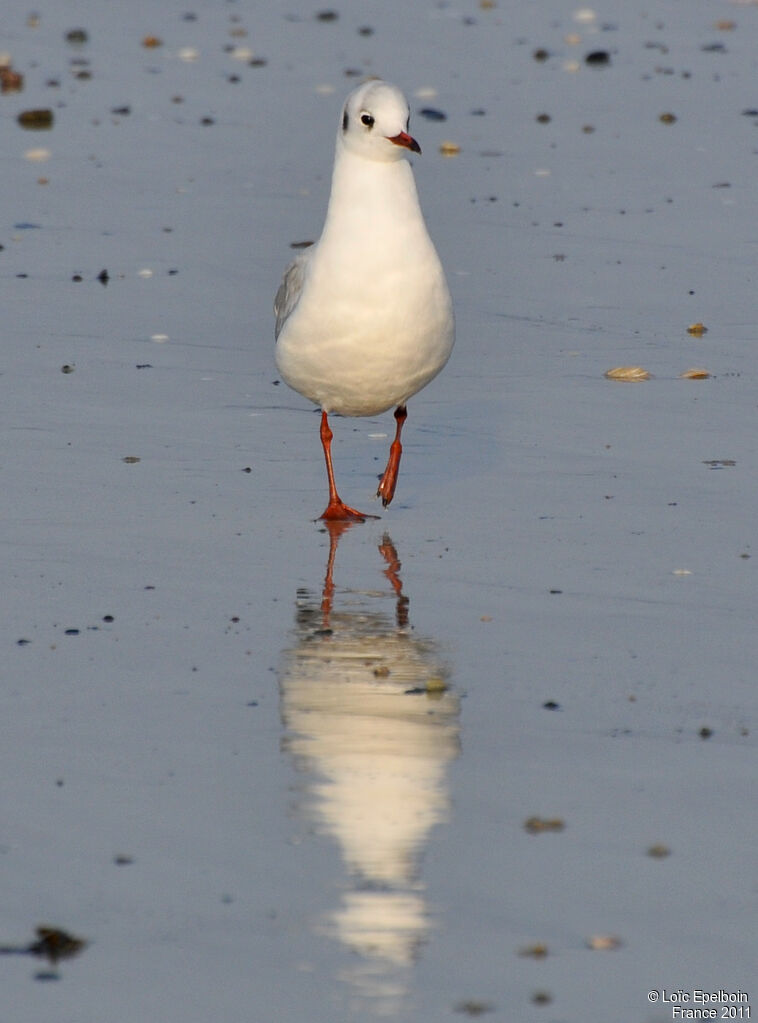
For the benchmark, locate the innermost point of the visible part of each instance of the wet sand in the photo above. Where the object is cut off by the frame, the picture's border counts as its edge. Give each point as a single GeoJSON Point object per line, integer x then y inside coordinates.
{"type": "Point", "coordinates": [265, 771]}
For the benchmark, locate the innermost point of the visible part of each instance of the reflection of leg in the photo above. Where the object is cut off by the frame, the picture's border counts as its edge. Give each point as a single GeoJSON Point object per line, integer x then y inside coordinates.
{"type": "Point", "coordinates": [336, 510]}
{"type": "Point", "coordinates": [388, 552]}
{"type": "Point", "coordinates": [389, 480]}
{"type": "Point", "coordinates": [335, 530]}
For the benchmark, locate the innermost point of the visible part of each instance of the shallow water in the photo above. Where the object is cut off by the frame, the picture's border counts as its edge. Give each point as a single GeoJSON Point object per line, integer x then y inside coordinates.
{"type": "Point", "coordinates": [265, 771]}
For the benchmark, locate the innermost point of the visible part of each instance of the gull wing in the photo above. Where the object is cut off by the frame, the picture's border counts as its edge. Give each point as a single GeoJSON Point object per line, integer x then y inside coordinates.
{"type": "Point", "coordinates": [290, 290]}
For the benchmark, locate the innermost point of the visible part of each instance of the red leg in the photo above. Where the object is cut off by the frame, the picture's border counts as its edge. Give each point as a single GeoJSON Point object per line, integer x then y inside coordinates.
{"type": "Point", "coordinates": [389, 480]}
{"type": "Point", "coordinates": [336, 510]}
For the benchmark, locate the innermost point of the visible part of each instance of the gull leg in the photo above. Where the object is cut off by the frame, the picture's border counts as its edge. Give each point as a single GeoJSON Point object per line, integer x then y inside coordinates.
{"type": "Point", "coordinates": [389, 479]}
{"type": "Point", "coordinates": [336, 510]}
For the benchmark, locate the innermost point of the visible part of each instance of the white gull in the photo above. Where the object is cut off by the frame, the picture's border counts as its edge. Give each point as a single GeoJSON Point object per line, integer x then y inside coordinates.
{"type": "Point", "coordinates": [364, 318]}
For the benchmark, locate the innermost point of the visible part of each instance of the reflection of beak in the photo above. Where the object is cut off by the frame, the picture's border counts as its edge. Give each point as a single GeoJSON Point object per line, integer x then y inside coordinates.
{"type": "Point", "coordinates": [403, 139]}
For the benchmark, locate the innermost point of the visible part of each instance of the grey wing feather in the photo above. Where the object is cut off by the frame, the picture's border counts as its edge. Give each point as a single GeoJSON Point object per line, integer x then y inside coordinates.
{"type": "Point", "coordinates": [290, 290]}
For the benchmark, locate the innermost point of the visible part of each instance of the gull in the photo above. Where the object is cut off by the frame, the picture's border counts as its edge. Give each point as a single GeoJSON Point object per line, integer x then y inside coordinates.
{"type": "Point", "coordinates": [364, 318]}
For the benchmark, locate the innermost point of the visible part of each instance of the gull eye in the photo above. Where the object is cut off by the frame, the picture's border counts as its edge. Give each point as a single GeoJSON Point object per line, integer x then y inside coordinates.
{"type": "Point", "coordinates": [368, 120]}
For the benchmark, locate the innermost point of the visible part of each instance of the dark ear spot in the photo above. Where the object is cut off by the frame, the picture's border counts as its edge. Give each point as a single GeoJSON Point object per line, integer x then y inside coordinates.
{"type": "Point", "coordinates": [344, 120]}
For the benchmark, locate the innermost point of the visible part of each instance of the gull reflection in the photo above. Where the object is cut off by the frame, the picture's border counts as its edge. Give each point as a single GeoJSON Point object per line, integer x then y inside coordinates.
{"type": "Point", "coordinates": [372, 724]}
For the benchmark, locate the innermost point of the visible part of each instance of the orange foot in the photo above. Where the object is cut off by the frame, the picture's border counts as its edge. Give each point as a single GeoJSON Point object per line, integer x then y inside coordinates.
{"type": "Point", "coordinates": [338, 511]}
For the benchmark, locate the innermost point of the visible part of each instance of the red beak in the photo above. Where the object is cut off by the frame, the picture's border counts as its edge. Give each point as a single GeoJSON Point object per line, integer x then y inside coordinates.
{"type": "Point", "coordinates": [403, 139]}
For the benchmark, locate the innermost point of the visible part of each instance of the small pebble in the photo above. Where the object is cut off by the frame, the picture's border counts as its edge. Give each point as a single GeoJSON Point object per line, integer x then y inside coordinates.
{"type": "Point", "coordinates": [603, 942]}
{"type": "Point", "coordinates": [473, 1007]}
{"type": "Point", "coordinates": [598, 58]}
{"type": "Point", "coordinates": [542, 998]}
{"type": "Point", "coordinates": [77, 36]}
{"type": "Point", "coordinates": [36, 120]}
{"type": "Point", "coordinates": [243, 53]}
{"type": "Point", "coordinates": [585, 15]}
{"type": "Point", "coordinates": [697, 329]}
{"type": "Point", "coordinates": [432, 114]}
{"type": "Point", "coordinates": [536, 951]}
{"type": "Point", "coordinates": [536, 825]}
{"type": "Point", "coordinates": [10, 80]}
{"type": "Point", "coordinates": [627, 374]}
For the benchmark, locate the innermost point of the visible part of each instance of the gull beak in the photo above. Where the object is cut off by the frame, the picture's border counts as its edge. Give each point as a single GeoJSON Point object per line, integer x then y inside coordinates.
{"type": "Point", "coordinates": [403, 139]}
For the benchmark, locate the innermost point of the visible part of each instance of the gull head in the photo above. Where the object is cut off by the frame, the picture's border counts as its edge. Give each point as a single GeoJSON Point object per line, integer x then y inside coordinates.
{"type": "Point", "coordinates": [375, 123]}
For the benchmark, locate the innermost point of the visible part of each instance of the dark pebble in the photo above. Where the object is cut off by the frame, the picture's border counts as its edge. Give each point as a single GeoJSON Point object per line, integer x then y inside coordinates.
{"type": "Point", "coordinates": [598, 58]}
{"type": "Point", "coordinates": [432, 114]}
{"type": "Point", "coordinates": [36, 120]}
